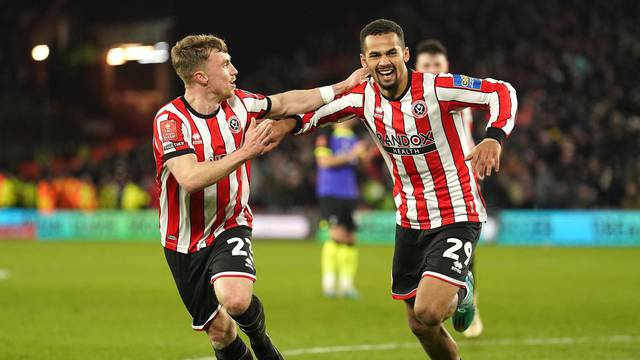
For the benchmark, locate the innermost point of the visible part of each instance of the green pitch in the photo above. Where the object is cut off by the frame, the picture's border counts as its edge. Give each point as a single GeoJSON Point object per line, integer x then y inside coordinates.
{"type": "Point", "coordinates": [118, 301]}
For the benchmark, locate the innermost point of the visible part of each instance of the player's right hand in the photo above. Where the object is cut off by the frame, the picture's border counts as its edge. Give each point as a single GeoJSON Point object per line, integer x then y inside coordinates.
{"type": "Point", "coordinates": [257, 138]}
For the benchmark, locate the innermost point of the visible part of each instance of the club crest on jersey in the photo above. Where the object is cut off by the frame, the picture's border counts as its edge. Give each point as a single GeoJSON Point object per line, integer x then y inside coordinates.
{"type": "Point", "coordinates": [234, 124]}
{"type": "Point", "coordinates": [463, 81]}
{"type": "Point", "coordinates": [419, 109]}
{"type": "Point", "coordinates": [168, 130]}
{"type": "Point", "coordinates": [196, 139]}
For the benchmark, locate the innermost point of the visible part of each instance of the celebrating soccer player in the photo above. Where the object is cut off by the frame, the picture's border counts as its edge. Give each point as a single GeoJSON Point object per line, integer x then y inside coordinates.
{"type": "Point", "coordinates": [202, 144]}
{"type": "Point", "coordinates": [431, 57]}
{"type": "Point", "coordinates": [411, 116]}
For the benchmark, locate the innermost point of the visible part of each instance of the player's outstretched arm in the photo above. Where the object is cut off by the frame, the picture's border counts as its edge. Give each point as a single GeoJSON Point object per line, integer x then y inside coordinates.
{"type": "Point", "coordinates": [194, 176]}
{"type": "Point", "coordinates": [302, 101]}
{"type": "Point", "coordinates": [498, 97]}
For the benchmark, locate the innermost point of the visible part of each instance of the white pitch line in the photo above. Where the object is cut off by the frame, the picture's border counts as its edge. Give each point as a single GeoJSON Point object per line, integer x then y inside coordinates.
{"type": "Point", "coordinates": [4, 274]}
{"type": "Point", "coordinates": [463, 343]}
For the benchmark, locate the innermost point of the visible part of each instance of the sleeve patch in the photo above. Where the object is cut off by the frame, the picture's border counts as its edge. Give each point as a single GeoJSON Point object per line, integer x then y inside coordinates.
{"type": "Point", "coordinates": [168, 130]}
{"type": "Point", "coordinates": [463, 81]}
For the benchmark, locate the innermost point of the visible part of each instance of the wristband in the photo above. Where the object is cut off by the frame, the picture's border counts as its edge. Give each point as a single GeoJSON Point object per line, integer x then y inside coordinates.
{"type": "Point", "coordinates": [327, 94]}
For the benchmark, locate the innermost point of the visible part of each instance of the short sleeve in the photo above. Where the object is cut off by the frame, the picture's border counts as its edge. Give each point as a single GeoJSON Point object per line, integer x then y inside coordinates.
{"type": "Point", "coordinates": [257, 105]}
{"type": "Point", "coordinates": [169, 136]}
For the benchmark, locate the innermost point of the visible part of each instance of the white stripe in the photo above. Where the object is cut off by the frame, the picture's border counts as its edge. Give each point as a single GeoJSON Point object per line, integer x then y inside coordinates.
{"type": "Point", "coordinates": [216, 276]}
{"type": "Point", "coordinates": [200, 327]}
{"type": "Point", "coordinates": [184, 237]}
{"type": "Point", "coordinates": [255, 105]}
{"type": "Point", "coordinates": [462, 343]}
{"type": "Point", "coordinates": [446, 278]}
{"type": "Point", "coordinates": [514, 109]}
{"type": "Point", "coordinates": [164, 205]}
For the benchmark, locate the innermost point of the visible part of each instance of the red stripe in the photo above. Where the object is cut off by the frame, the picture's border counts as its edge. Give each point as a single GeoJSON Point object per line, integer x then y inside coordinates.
{"type": "Point", "coordinates": [442, 279]}
{"type": "Point", "coordinates": [173, 213]}
{"type": "Point", "coordinates": [222, 186]}
{"type": "Point", "coordinates": [397, 182]}
{"type": "Point", "coordinates": [464, 176]}
{"type": "Point", "coordinates": [406, 296]}
{"type": "Point", "coordinates": [196, 200]}
{"type": "Point", "coordinates": [237, 137]}
{"type": "Point", "coordinates": [504, 101]}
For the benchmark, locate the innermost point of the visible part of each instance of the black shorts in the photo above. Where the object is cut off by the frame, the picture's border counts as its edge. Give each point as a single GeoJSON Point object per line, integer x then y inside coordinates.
{"type": "Point", "coordinates": [337, 211]}
{"type": "Point", "coordinates": [230, 255]}
{"type": "Point", "coordinates": [443, 253]}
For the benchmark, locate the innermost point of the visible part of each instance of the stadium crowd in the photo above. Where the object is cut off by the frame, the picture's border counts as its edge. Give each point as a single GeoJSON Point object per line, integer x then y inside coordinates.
{"type": "Point", "coordinates": [575, 144]}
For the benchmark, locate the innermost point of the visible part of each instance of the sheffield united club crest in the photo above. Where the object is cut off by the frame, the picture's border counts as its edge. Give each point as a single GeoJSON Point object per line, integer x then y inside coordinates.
{"type": "Point", "coordinates": [419, 109]}
{"type": "Point", "coordinates": [234, 124]}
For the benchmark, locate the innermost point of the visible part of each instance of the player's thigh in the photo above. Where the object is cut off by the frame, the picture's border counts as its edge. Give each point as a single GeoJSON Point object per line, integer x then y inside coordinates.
{"type": "Point", "coordinates": [434, 301]}
{"type": "Point", "coordinates": [234, 293]}
{"type": "Point", "coordinates": [232, 269]}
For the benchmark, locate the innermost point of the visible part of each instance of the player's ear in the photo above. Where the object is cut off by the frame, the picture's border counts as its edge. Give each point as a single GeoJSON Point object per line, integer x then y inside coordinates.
{"type": "Point", "coordinates": [406, 55]}
{"type": "Point", "coordinates": [200, 78]}
{"type": "Point", "coordinates": [362, 61]}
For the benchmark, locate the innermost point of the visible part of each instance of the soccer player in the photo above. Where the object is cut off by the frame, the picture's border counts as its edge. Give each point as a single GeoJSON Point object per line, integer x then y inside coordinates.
{"type": "Point", "coordinates": [202, 144]}
{"type": "Point", "coordinates": [440, 209]}
{"type": "Point", "coordinates": [431, 57]}
{"type": "Point", "coordinates": [337, 153]}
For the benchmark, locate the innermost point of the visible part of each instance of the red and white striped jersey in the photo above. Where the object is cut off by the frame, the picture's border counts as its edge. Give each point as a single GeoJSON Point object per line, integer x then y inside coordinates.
{"type": "Point", "coordinates": [422, 138]}
{"type": "Point", "coordinates": [190, 222]}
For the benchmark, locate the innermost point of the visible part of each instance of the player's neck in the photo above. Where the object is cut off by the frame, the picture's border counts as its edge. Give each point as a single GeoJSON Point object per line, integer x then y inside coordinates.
{"type": "Point", "coordinates": [201, 101]}
{"type": "Point", "coordinates": [403, 84]}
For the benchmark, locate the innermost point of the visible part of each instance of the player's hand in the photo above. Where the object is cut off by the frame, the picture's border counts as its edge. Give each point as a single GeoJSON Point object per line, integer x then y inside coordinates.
{"type": "Point", "coordinates": [356, 78]}
{"type": "Point", "coordinates": [485, 157]}
{"type": "Point", "coordinates": [257, 138]}
{"type": "Point", "coordinates": [279, 130]}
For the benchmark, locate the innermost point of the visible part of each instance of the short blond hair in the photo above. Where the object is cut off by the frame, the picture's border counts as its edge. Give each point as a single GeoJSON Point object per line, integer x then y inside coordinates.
{"type": "Point", "coordinates": [193, 51]}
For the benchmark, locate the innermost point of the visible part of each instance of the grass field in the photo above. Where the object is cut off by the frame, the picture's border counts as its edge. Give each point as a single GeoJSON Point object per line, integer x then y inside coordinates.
{"type": "Point", "coordinates": [118, 301]}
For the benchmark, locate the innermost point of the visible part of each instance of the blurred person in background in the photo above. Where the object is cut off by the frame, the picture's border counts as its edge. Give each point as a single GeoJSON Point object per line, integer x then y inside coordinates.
{"type": "Point", "coordinates": [431, 57]}
{"type": "Point", "coordinates": [337, 153]}
{"type": "Point", "coordinates": [440, 208]}
{"type": "Point", "coordinates": [202, 143]}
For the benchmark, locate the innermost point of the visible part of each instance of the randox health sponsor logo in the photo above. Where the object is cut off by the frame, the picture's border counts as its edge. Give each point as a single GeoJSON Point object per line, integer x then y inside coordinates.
{"type": "Point", "coordinates": [407, 144]}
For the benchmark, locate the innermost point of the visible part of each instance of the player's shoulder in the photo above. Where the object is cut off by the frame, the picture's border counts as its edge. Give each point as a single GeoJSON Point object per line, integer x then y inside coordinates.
{"type": "Point", "coordinates": [168, 108]}
{"type": "Point", "coordinates": [246, 94]}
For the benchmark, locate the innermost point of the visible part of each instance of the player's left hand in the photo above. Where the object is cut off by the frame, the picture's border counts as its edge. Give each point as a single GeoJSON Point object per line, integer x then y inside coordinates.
{"type": "Point", "coordinates": [357, 77]}
{"type": "Point", "coordinates": [279, 130]}
{"type": "Point", "coordinates": [485, 157]}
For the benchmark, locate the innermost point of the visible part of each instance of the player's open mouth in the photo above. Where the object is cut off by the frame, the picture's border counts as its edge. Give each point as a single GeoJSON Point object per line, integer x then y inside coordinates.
{"type": "Point", "coordinates": [386, 73]}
